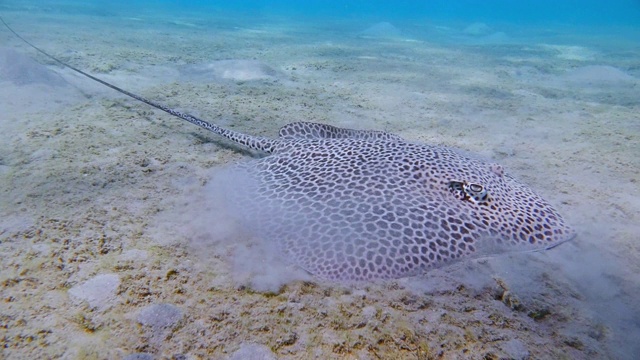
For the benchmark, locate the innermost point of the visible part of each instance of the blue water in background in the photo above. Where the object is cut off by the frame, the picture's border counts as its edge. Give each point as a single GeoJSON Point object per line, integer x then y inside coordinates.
{"type": "Point", "coordinates": [596, 12]}
{"type": "Point", "coordinates": [564, 12]}
{"type": "Point", "coordinates": [578, 12]}
{"type": "Point", "coordinates": [596, 23]}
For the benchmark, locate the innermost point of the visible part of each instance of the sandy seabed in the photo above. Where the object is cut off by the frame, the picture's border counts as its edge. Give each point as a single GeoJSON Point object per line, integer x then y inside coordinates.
{"type": "Point", "coordinates": [96, 188]}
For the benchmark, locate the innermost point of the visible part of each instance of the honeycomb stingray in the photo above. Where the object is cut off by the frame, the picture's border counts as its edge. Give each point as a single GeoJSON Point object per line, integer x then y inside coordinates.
{"type": "Point", "coordinates": [357, 205]}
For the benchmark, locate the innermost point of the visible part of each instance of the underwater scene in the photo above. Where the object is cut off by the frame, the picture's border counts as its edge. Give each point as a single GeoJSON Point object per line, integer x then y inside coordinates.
{"type": "Point", "coordinates": [320, 179]}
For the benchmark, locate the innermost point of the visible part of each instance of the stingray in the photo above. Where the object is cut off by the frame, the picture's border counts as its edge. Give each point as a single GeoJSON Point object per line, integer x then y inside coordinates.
{"type": "Point", "coordinates": [357, 205]}
{"type": "Point", "coordinates": [20, 69]}
{"type": "Point", "coordinates": [382, 30]}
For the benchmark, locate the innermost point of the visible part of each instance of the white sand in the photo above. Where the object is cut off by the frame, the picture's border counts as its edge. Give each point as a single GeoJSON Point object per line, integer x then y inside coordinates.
{"type": "Point", "coordinates": [94, 184]}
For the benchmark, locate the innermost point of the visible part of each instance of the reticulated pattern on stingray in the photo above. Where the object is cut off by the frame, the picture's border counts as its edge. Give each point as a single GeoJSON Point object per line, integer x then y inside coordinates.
{"type": "Point", "coordinates": [357, 205]}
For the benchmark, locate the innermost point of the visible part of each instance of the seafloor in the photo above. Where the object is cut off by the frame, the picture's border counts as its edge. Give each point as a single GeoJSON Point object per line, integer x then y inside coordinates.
{"type": "Point", "coordinates": [101, 257]}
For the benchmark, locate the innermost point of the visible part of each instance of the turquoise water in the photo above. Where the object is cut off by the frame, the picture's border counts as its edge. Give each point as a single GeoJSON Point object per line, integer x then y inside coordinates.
{"type": "Point", "coordinates": [546, 11]}
{"type": "Point", "coordinates": [111, 245]}
{"type": "Point", "coordinates": [564, 12]}
{"type": "Point", "coordinates": [593, 12]}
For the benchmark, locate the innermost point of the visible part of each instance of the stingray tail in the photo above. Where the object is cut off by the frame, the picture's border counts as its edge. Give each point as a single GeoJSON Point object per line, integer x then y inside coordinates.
{"type": "Point", "coordinates": [252, 142]}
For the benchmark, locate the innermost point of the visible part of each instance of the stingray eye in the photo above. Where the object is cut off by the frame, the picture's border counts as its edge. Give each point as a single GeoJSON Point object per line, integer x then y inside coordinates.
{"type": "Point", "coordinates": [477, 194]}
{"type": "Point", "coordinates": [476, 188]}
{"type": "Point", "coordinates": [471, 192]}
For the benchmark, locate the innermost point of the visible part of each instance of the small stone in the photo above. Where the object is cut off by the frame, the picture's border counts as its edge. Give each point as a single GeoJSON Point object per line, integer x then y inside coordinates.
{"type": "Point", "coordinates": [139, 356]}
{"type": "Point", "coordinates": [515, 349]}
{"type": "Point", "coordinates": [477, 29]}
{"type": "Point", "coordinates": [382, 30]}
{"type": "Point", "coordinates": [99, 291]}
{"type": "Point", "coordinates": [160, 316]}
{"type": "Point", "coordinates": [252, 352]}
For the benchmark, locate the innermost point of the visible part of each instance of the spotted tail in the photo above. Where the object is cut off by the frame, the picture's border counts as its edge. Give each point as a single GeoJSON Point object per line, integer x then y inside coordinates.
{"type": "Point", "coordinates": [252, 142]}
